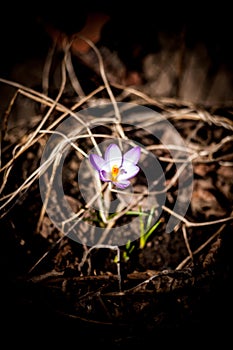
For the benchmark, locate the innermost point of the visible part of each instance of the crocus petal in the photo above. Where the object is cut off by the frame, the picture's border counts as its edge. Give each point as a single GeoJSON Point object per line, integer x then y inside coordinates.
{"type": "Point", "coordinates": [106, 167]}
{"type": "Point", "coordinates": [130, 171]}
{"type": "Point", "coordinates": [122, 184]}
{"type": "Point", "coordinates": [96, 161]}
{"type": "Point", "coordinates": [105, 176]}
{"type": "Point", "coordinates": [113, 156]}
{"type": "Point", "coordinates": [132, 155]}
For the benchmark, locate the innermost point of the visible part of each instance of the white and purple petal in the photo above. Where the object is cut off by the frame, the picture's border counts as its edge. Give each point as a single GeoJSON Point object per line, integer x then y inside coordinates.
{"type": "Point", "coordinates": [132, 155]}
{"type": "Point", "coordinates": [113, 156]}
{"type": "Point", "coordinates": [122, 184]}
{"type": "Point", "coordinates": [129, 171]}
{"type": "Point", "coordinates": [105, 176]}
{"type": "Point", "coordinates": [96, 161]}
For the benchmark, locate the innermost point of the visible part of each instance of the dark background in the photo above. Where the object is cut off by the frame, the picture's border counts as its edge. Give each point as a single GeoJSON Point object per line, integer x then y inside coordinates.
{"type": "Point", "coordinates": [22, 31]}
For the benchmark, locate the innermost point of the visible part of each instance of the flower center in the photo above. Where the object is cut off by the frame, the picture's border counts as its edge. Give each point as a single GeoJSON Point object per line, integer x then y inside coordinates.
{"type": "Point", "coordinates": [115, 172]}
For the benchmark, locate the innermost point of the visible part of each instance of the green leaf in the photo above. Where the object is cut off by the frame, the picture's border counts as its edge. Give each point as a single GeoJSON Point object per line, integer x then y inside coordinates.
{"type": "Point", "coordinates": [148, 233]}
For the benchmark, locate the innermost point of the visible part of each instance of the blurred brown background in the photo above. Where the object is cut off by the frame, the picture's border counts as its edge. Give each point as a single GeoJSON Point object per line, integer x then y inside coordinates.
{"type": "Point", "coordinates": [164, 49]}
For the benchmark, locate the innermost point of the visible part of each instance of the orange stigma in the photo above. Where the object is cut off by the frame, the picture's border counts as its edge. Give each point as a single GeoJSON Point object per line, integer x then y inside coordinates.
{"type": "Point", "coordinates": [115, 172]}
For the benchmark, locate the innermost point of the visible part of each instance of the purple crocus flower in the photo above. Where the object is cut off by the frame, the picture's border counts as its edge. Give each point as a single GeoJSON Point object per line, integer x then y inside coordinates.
{"type": "Point", "coordinates": [115, 167]}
